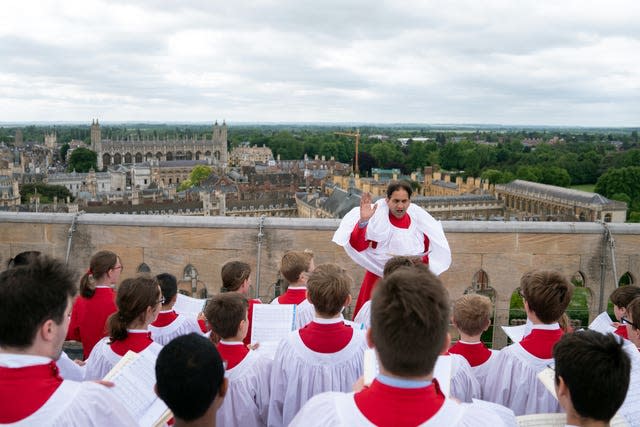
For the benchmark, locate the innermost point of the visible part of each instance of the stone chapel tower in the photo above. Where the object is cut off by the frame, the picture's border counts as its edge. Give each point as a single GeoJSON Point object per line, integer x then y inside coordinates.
{"type": "Point", "coordinates": [96, 141]}
{"type": "Point", "coordinates": [220, 143]}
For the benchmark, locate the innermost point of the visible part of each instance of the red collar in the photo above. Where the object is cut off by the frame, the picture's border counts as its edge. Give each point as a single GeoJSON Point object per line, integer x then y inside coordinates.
{"type": "Point", "coordinates": [326, 337]}
{"type": "Point", "coordinates": [233, 354]}
{"type": "Point", "coordinates": [165, 319]}
{"type": "Point", "coordinates": [384, 405]}
{"type": "Point", "coordinates": [293, 296]}
{"type": "Point", "coordinates": [622, 331]}
{"type": "Point", "coordinates": [403, 222]}
{"type": "Point", "coordinates": [25, 390]}
{"type": "Point", "coordinates": [476, 353]}
{"type": "Point", "coordinates": [135, 341]}
{"type": "Point", "coordinates": [540, 342]}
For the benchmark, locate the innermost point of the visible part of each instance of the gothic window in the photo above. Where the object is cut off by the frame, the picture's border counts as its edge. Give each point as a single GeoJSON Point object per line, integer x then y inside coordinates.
{"type": "Point", "coordinates": [138, 157]}
{"type": "Point", "coordinates": [148, 156]}
{"type": "Point", "coordinates": [159, 155]}
{"type": "Point", "coordinates": [117, 159]}
{"type": "Point", "coordinates": [169, 155]}
{"type": "Point", "coordinates": [188, 155]}
{"type": "Point", "coordinates": [198, 155]}
{"type": "Point", "coordinates": [127, 158]}
{"type": "Point", "coordinates": [607, 217]}
{"type": "Point", "coordinates": [106, 159]}
{"type": "Point", "coordinates": [626, 279]}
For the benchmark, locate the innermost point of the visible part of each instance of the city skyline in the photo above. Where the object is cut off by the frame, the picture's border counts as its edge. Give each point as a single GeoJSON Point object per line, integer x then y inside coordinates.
{"type": "Point", "coordinates": [541, 63]}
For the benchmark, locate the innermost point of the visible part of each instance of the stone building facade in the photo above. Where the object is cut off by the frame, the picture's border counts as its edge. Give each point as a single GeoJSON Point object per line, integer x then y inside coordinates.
{"type": "Point", "coordinates": [129, 151]}
{"type": "Point", "coordinates": [249, 156]}
{"type": "Point", "coordinates": [531, 200]}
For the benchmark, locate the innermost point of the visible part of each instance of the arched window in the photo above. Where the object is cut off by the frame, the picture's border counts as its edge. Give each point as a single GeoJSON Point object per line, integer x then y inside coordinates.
{"type": "Point", "coordinates": [117, 159]}
{"type": "Point", "coordinates": [106, 159]}
{"type": "Point", "coordinates": [127, 158]}
{"type": "Point", "coordinates": [607, 217]}
{"type": "Point", "coordinates": [169, 156]}
{"type": "Point", "coordinates": [143, 268]}
{"type": "Point", "coordinates": [626, 279]}
{"type": "Point", "coordinates": [138, 157]}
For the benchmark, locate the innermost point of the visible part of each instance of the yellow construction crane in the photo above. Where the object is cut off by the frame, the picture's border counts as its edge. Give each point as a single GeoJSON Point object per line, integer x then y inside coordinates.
{"type": "Point", "coordinates": [356, 169]}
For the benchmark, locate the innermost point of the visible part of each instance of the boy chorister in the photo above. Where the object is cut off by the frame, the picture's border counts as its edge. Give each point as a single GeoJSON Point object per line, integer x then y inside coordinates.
{"type": "Point", "coordinates": [513, 378]}
{"type": "Point", "coordinates": [325, 355]}
{"type": "Point", "coordinates": [296, 267]}
{"type": "Point", "coordinates": [472, 316]}
{"type": "Point", "coordinates": [409, 321]}
{"type": "Point", "coordinates": [247, 400]}
{"type": "Point", "coordinates": [236, 277]}
{"type": "Point", "coordinates": [621, 298]}
{"type": "Point", "coordinates": [33, 325]}
{"type": "Point", "coordinates": [169, 324]}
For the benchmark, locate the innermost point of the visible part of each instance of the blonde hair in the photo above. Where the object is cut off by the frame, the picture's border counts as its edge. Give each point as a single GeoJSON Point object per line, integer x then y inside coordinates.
{"type": "Point", "coordinates": [294, 263]}
{"type": "Point", "coordinates": [472, 313]}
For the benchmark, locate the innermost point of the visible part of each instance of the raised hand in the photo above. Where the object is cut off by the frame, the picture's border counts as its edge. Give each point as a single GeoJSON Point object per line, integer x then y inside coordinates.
{"type": "Point", "coordinates": [366, 208]}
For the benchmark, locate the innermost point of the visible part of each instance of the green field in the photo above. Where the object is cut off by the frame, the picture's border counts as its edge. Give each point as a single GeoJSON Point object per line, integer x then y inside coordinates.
{"type": "Point", "coordinates": [584, 187]}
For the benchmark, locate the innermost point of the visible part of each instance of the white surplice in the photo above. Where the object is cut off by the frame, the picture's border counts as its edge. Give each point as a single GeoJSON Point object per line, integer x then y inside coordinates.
{"type": "Point", "coordinates": [299, 373]}
{"type": "Point", "coordinates": [182, 325]}
{"type": "Point", "coordinates": [464, 385]}
{"type": "Point", "coordinates": [102, 359]}
{"type": "Point", "coordinates": [512, 381]}
{"type": "Point", "coordinates": [247, 400]}
{"type": "Point", "coordinates": [339, 409]}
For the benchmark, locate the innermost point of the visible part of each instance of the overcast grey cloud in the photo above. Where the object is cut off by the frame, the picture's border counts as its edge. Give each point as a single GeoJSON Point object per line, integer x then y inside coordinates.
{"type": "Point", "coordinates": [503, 62]}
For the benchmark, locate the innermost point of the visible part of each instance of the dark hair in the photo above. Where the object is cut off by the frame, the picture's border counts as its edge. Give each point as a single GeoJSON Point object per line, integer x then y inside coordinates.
{"type": "Point", "coordinates": [189, 375]}
{"type": "Point", "coordinates": [399, 185]}
{"type": "Point", "coordinates": [133, 297]}
{"type": "Point", "coordinates": [23, 258]}
{"type": "Point", "coordinates": [547, 293]}
{"type": "Point", "coordinates": [328, 288]}
{"type": "Point", "coordinates": [623, 295]}
{"type": "Point", "coordinates": [224, 312]}
{"type": "Point", "coordinates": [596, 370]}
{"type": "Point", "coordinates": [32, 294]}
{"type": "Point", "coordinates": [168, 286]}
{"type": "Point", "coordinates": [100, 264]}
{"type": "Point", "coordinates": [396, 262]}
{"type": "Point", "coordinates": [233, 274]}
{"type": "Point", "coordinates": [409, 320]}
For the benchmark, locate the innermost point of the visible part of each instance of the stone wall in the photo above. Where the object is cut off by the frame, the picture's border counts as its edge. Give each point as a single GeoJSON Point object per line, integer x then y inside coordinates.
{"type": "Point", "coordinates": [504, 251]}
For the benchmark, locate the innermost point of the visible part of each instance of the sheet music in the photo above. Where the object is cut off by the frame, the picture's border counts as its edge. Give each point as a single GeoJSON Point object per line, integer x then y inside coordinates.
{"type": "Point", "coordinates": [134, 378]}
{"type": "Point", "coordinates": [442, 372]}
{"type": "Point", "coordinates": [503, 412]}
{"type": "Point", "coordinates": [542, 420]}
{"type": "Point", "coordinates": [189, 306]}
{"type": "Point", "coordinates": [371, 368]}
{"type": "Point", "coordinates": [602, 324]}
{"type": "Point", "coordinates": [271, 323]}
{"type": "Point", "coordinates": [515, 333]}
{"type": "Point", "coordinates": [548, 378]}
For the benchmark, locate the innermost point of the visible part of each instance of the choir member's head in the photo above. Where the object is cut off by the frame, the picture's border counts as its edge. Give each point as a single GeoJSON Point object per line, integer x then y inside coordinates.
{"type": "Point", "coordinates": [23, 258]}
{"type": "Point", "coordinates": [328, 289]}
{"type": "Point", "coordinates": [409, 321]}
{"type": "Point", "coordinates": [190, 378]}
{"type": "Point", "coordinates": [169, 288]}
{"type": "Point", "coordinates": [472, 314]}
{"type": "Point", "coordinates": [296, 266]}
{"type": "Point", "coordinates": [36, 306]}
{"type": "Point", "coordinates": [104, 268]}
{"type": "Point", "coordinates": [396, 262]}
{"type": "Point", "coordinates": [621, 298]}
{"type": "Point", "coordinates": [591, 375]}
{"type": "Point", "coordinates": [632, 320]}
{"type": "Point", "coordinates": [227, 315]}
{"type": "Point", "coordinates": [546, 294]}
{"type": "Point", "coordinates": [138, 301]}
{"type": "Point", "coordinates": [235, 277]}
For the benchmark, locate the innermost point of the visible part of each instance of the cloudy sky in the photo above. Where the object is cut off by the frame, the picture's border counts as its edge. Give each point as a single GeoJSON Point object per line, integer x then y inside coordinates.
{"type": "Point", "coordinates": [398, 61]}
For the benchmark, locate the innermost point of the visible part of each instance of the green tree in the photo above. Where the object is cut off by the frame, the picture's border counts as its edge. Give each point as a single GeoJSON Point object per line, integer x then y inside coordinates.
{"type": "Point", "coordinates": [385, 153]}
{"type": "Point", "coordinates": [63, 151]}
{"type": "Point", "coordinates": [199, 174]}
{"type": "Point", "coordinates": [82, 160]}
{"type": "Point", "coordinates": [45, 191]}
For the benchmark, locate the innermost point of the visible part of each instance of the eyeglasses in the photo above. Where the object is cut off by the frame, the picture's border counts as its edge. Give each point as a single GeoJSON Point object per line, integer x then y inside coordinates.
{"type": "Point", "coordinates": [118, 267]}
{"type": "Point", "coordinates": [629, 322]}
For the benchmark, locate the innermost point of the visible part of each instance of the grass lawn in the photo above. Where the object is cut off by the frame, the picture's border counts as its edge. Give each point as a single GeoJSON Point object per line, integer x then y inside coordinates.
{"type": "Point", "coordinates": [584, 187]}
